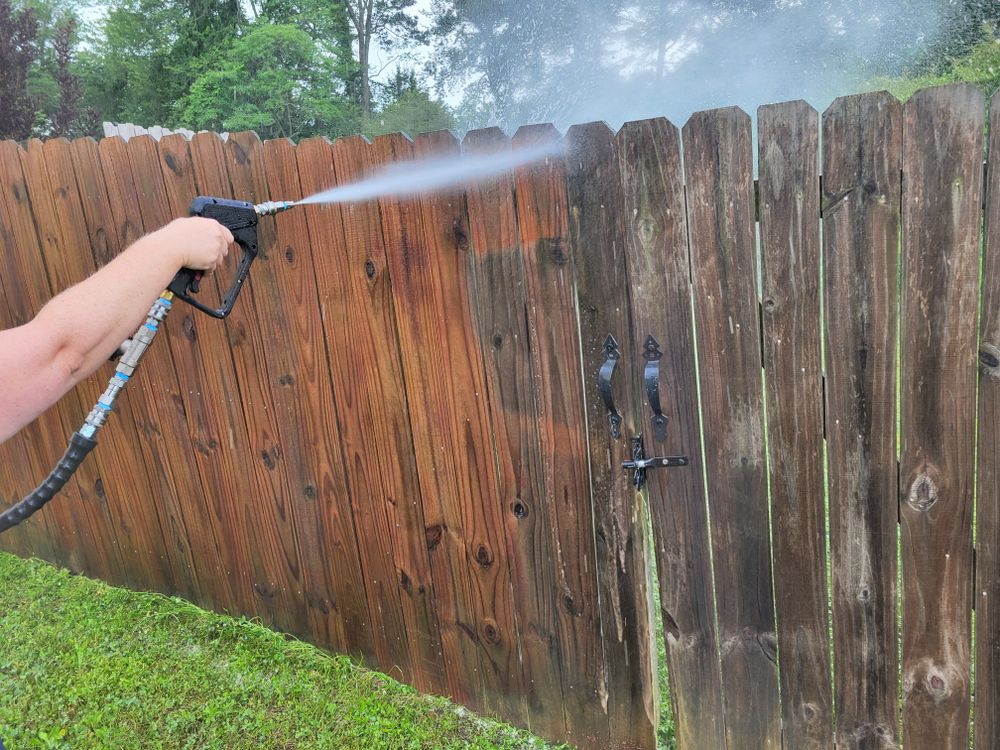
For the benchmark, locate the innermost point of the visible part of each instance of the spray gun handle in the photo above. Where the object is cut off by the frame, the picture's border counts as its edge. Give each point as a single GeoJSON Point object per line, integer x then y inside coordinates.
{"type": "Point", "coordinates": [240, 218]}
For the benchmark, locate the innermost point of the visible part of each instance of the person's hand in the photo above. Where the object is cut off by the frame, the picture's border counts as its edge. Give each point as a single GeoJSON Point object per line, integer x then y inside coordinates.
{"type": "Point", "coordinates": [201, 243]}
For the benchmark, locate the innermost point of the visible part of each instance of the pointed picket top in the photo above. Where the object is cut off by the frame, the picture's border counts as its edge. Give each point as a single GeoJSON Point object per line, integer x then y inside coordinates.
{"type": "Point", "coordinates": [870, 99]}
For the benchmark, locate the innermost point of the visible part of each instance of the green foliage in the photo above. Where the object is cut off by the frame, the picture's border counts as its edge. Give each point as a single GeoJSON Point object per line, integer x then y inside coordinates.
{"type": "Point", "coordinates": [273, 80]}
{"type": "Point", "coordinates": [85, 665]}
{"type": "Point", "coordinates": [981, 66]}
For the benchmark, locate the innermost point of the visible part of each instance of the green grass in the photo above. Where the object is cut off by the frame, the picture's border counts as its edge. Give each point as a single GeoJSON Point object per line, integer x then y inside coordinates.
{"type": "Point", "coordinates": [85, 665]}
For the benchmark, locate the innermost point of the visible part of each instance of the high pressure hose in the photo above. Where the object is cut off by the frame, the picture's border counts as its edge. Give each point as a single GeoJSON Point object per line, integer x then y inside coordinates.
{"type": "Point", "coordinates": [84, 440]}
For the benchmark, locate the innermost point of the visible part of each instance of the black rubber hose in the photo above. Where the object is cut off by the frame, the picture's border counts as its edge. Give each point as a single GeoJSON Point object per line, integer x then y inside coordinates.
{"type": "Point", "coordinates": [79, 447]}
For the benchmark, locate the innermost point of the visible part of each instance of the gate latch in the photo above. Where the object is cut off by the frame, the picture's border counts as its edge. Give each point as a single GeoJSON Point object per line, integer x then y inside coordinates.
{"type": "Point", "coordinates": [639, 464]}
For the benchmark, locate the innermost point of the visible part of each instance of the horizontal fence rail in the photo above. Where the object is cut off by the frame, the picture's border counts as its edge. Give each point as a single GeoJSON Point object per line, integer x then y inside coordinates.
{"type": "Point", "coordinates": [406, 442]}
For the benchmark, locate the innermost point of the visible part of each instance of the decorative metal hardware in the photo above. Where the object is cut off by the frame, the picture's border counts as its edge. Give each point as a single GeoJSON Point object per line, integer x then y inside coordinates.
{"type": "Point", "coordinates": [612, 354]}
{"type": "Point", "coordinates": [639, 464]}
{"type": "Point", "coordinates": [651, 376]}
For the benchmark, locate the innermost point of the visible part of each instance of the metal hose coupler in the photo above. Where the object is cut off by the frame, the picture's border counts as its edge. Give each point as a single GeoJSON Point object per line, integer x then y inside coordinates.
{"type": "Point", "coordinates": [269, 208]}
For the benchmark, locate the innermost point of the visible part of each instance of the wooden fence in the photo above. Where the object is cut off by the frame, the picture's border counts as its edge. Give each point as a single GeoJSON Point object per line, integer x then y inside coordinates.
{"type": "Point", "coordinates": [396, 446]}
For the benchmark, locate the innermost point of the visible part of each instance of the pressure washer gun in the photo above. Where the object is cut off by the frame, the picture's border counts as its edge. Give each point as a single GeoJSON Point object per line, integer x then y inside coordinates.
{"type": "Point", "coordinates": [240, 218]}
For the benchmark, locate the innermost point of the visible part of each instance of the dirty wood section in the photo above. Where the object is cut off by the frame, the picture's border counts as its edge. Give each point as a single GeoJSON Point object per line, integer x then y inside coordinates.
{"type": "Point", "coordinates": [718, 166]}
{"type": "Point", "coordinates": [790, 317]}
{"type": "Point", "coordinates": [987, 584]}
{"type": "Point", "coordinates": [942, 199]}
{"type": "Point", "coordinates": [862, 142]}
{"type": "Point", "coordinates": [660, 291]}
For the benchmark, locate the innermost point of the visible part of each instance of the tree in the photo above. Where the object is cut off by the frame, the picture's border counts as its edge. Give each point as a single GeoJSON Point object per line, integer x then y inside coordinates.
{"type": "Point", "coordinates": [18, 53]}
{"type": "Point", "coordinates": [273, 80]}
{"type": "Point", "coordinates": [386, 20]}
{"type": "Point", "coordinates": [408, 108]}
{"type": "Point", "coordinates": [67, 120]}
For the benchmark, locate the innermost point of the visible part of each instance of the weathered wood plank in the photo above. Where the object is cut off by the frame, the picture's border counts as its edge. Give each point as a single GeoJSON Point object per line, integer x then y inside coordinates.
{"type": "Point", "coordinates": [987, 559]}
{"type": "Point", "coordinates": [942, 181]}
{"type": "Point", "coordinates": [541, 202]}
{"type": "Point", "coordinates": [862, 143]}
{"type": "Point", "coordinates": [790, 271]}
{"type": "Point", "coordinates": [660, 289]}
{"type": "Point", "coordinates": [299, 373]}
{"type": "Point", "coordinates": [718, 165]}
{"type": "Point", "coordinates": [596, 241]}
{"type": "Point", "coordinates": [501, 323]}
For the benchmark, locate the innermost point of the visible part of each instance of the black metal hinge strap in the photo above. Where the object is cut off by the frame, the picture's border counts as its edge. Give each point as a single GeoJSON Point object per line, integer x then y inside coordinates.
{"type": "Point", "coordinates": [651, 376]}
{"type": "Point", "coordinates": [612, 354]}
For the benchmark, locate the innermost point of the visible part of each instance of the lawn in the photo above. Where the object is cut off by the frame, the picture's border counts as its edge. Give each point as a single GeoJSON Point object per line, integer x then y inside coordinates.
{"type": "Point", "coordinates": [85, 665]}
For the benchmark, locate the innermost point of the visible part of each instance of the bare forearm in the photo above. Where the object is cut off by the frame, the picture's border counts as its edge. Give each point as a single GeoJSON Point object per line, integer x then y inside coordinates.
{"type": "Point", "coordinates": [94, 317]}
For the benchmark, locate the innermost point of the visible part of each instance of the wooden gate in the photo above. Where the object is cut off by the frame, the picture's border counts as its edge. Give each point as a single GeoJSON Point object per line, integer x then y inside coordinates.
{"type": "Point", "coordinates": [398, 445]}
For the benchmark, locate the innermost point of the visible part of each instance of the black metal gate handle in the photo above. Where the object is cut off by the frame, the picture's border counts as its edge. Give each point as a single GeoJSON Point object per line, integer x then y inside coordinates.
{"type": "Point", "coordinates": [612, 354]}
{"type": "Point", "coordinates": [651, 376]}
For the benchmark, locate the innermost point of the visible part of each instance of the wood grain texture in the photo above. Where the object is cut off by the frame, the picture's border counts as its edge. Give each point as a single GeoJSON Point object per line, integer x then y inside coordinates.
{"type": "Point", "coordinates": [27, 290]}
{"type": "Point", "coordinates": [542, 205]}
{"type": "Point", "coordinates": [660, 290]}
{"type": "Point", "coordinates": [987, 554]}
{"type": "Point", "coordinates": [862, 142]}
{"type": "Point", "coordinates": [942, 195]}
{"type": "Point", "coordinates": [306, 415]}
{"type": "Point", "coordinates": [718, 166]}
{"type": "Point", "coordinates": [790, 255]}
{"type": "Point", "coordinates": [597, 244]}
{"type": "Point", "coordinates": [377, 437]}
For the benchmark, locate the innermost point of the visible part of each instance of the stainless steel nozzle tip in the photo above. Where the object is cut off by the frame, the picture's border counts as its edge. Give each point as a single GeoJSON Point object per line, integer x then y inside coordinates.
{"type": "Point", "coordinates": [268, 208]}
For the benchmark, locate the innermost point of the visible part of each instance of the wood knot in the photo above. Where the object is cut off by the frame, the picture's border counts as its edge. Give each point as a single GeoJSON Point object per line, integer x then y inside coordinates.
{"type": "Point", "coordinates": [519, 508]}
{"type": "Point", "coordinates": [491, 633]}
{"type": "Point", "coordinates": [286, 380]}
{"type": "Point", "coordinates": [370, 269]}
{"type": "Point", "coordinates": [236, 333]}
{"type": "Point", "coordinates": [309, 491]}
{"type": "Point", "coordinates": [171, 163]}
{"type": "Point", "coordinates": [569, 604]}
{"type": "Point", "coordinates": [461, 238]}
{"type": "Point", "coordinates": [265, 590]}
{"type": "Point", "coordinates": [809, 711]}
{"type": "Point", "coordinates": [187, 325]}
{"type": "Point", "coordinates": [497, 341]}
{"type": "Point", "coordinates": [989, 359]}
{"type": "Point", "coordinates": [99, 489]}
{"type": "Point", "coordinates": [433, 535]}
{"type": "Point", "coordinates": [923, 493]}
{"type": "Point", "coordinates": [865, 594]}
{"type": "Point", "coordinates": [289, 254]}
{"type": "Point", "coordinates": [554, 249]}
{"type": "Point", "coordinates": [483, 556]}
{"type": "Point", "coordinates": [404, 581]}
{"type": "Point", "coordinates": [770, 304]}
{"type": "Point", "coordinates": [268, 458]}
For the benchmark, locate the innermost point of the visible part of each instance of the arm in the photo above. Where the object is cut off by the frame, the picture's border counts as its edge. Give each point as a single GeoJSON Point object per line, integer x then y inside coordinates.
{"type": "Point", "coordinates": [80, 328]}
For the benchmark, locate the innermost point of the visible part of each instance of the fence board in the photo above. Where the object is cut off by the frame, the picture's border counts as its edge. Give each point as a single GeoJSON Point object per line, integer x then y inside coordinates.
{"type": "Point", "coordinates": [445, 228]}
{"type": "Point", "coordinates": [718, 165]}
{"type": "Point", "coordinates": [238, 486]}
{"type": "Point", "coordinates": [542, 204]}
{"type": "Point", "coordinates": [942, 167]}
{"type": "Point", "coordinates": [660, 288]}
{"type": "Point", "coordinates": [987, 553]}
{"type": "Point", "coordinates": [377, 419]}
{"type": "Point", "coordinates": [790, 272]}
{"type": "Point", "coordinates": [417, 298]}
{"type": "Point", "coordinates": [307, 420]}
{"type": "Point", "coordinates": [862, 141]}
{"type": "Point", "coordinates": [49, 434]}
{"type": "Point", "coordinates": [502, 327]}
{"type": "Point", "coordinates": [595, 203]}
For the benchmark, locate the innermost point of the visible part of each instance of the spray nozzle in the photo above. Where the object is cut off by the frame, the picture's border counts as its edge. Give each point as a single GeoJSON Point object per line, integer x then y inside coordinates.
{"type": "Point", "coordinates": [269, 208]}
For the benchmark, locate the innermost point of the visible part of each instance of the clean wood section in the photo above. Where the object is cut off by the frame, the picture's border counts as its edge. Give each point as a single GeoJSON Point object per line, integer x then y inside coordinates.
{"type": "Point", "coordinates": [862, 143]}
{"type": "Point", "coordinates": [718, 165]}
{"type": "Point", "coordinates": [660, 288]}
{"type": "Point", "coordinates": [308, 434]}
{"type": "Point", "coordinates": [942, 200]}
{"type": "Point", "coordinates": [382, 406]}
{"type": "Point", "coordinates": [498, 290]}
{"type": "Point", "coordinates": [542, 205]}
{"type": "Point", "coordinates": [987, 554]}
{"type": "Point", "coordinates": [790, 314]}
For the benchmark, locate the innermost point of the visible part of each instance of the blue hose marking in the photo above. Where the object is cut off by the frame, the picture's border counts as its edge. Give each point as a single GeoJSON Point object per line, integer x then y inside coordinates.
{"type": "Point", "coordinates": [121, 375]}
{"type": "Point", "coordinates": [151, 326]}
{"type": "Point", "coordinates": [106, 407]}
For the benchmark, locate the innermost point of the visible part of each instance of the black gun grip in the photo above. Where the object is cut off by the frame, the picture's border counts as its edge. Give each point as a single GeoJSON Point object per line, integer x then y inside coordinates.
{"type": "Point", "coordinates": [241, 219]}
